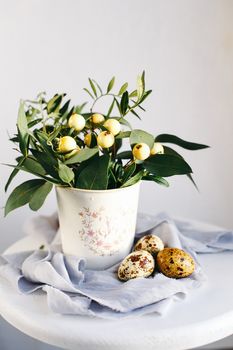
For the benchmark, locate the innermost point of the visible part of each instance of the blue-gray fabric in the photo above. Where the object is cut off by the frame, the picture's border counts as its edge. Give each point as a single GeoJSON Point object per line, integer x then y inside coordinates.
{"type": "Point", "coordinates": [72, 289]}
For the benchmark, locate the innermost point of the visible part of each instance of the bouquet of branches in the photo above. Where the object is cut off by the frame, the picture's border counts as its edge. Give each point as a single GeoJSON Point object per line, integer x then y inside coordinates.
{"type": "Point", "coordinates": [63, 145]}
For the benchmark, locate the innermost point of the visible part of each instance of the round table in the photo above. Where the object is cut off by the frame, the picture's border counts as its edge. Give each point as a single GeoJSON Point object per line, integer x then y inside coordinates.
{"type": "Point", "coordinates": [205, 316]}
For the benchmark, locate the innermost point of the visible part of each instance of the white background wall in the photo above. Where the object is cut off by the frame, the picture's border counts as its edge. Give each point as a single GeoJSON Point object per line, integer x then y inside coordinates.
{"type": "Point", "coordinates": [186, 48]}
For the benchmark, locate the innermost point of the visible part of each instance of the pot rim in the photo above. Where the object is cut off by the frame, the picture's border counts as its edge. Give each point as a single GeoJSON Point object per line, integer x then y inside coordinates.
{"type": "Point", "coordinates": [98, 191]}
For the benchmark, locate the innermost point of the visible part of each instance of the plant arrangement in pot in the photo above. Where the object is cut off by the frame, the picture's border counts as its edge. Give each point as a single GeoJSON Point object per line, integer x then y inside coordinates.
{"type": "Point", "coordinates": [97, 184]}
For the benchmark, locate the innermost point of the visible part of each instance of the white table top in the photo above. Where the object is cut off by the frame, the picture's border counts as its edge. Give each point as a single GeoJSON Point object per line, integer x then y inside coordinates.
{"type": "Point", "coordinates": [205, 316]}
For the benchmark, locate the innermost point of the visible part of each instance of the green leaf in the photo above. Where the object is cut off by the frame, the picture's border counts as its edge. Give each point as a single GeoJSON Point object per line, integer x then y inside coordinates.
{"type": "Point", "coordinates": [78, 169]}
{"type": "Point", "coordinates": [39, 196]}
{"type": "Point", "coordinates": [125, 155]}
{"type": "Point", "coordinates": [57, 104]}
{"type": "Point", "coordinates": [22, 194]}
{"type": "Point", "coordinates": [134, 113]}
{"type": "Point", "coordinates": [65, 108]}
{"type": "Point", "coordinates": [32, 113]}
{"type": "Point", "coordinates": [14, 139]}
{"type": "Point", "coordinates": [134, 179]}
{"type": "Point", "coordinates": [133, 94]}
{"type": "Point", "coordinates": [145, 95]}
{"type": "Point", "coordinates": [33, 166]}
{"type": "Point", "coordinates": [110, 108]}
{"type": "Point", "coordinates": [100, 90]}
{"type": "Point", "coordinates": [42, 138]}
{"type": "Point", "coordinates": [158, 179]}
{"type": "Point", "coordinates": [140, 85]}
{"type": "Point", "coordinates": [118, 170]}
{"type": "Point", "coordinates": [123, 134]}
{"type": "Point", "coordinates": [166, 165]}
{"type": "Point", "coordinates": [128, 172]}
{"type": "Point", "coordinates": [95, 175]}
{"type": "Point", "coordinates": [34, 122]}
{"type": "Point", "coordinates": [51, 103]}
{"type": "Point", "coordinates": [143, 79]}
{"type": "Point", "coordinates": [168, 150]}
{"type": "Point", "coordinates": [112, 181]}
{"type": "Point", "coordinates": [46, 178]}
{"type": "Point", "coordinates": [110, 85]}
{"type": "Point", "coordinates": [118, 106]}
{"type": "Point", "coordinates": [124, 102]}
{"type": "Point", "coordinates": [54, 134]}
{"type": "Point", "coordinates": [192, 180]}
{"type": "Point", "coordinates": [118, 144]}
{"type": "Point", "coordinates": [82, 155]}
{"type": "Point", "coordinates": [65, 173]}
{"type": "Point", "coordinates": [54, 104]}
{"type": "Point", "coordinates": [22, 126]}
{"type": "Point", "coordinates": [123, 89]}
{"type": "Point", "coordinates": [49, 163]}
{"type": "Point", "coordinates": [89, 93]}
{"type": "Point", "coordinates": [14, 173]}
{"type": "Point", "coordinates": [78, 109]}
{"type": "Point", "coordinates": [141, 136]}
{"type": "Point", "coordinates": [65, 116]}
{"type": "Point", "coordinates": [93, 87]}
{"type": "Point", "coordinates": [143, 109]}
{"type": "Point", "coordinates": [125, 122]}
{"type": "Point", "coordinates": [167, 138]}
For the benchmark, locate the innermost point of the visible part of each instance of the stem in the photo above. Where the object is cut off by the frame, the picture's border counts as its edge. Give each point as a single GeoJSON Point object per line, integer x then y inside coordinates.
{"type": "Point", "coordinates": [136, 104]}
{"type": "Point", "coordinates": [114, 96]}
{"type": "Point", "coordinates": [71, 131]}
{"type": "Point", "coordinates": [43, 118]}
{"type": "Point", "coordinates": [99, 97]}
{"type": "Point", "coordinates": [131, 161]}
{"type": "Point", "coordinates": [114, 150]}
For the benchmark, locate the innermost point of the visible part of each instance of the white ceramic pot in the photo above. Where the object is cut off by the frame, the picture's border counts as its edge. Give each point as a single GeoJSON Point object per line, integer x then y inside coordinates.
{"type": "Point", "coordinates": [98, 225]}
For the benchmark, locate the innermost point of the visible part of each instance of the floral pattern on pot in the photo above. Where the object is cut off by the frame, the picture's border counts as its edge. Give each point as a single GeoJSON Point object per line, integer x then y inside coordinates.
{"type": "Point", "coordinates": [102, 233]}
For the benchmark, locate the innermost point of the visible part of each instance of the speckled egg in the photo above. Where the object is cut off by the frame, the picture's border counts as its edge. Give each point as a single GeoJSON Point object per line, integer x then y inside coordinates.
{"type": "Point", "coordinates": [175, 263]}
{"type": "Point", "coordinates": [137, 264]}
{"type": "Point", "coordinates": [151, 243]}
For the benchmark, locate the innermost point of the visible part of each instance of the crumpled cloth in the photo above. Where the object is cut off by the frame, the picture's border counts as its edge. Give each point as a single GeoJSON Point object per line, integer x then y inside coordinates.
{"type": "Point", "coordinates": [72, 289]}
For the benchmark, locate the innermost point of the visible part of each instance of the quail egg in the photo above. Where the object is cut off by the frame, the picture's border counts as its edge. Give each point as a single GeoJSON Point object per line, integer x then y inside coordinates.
{"type": "Point", "coordinates": [175, 263]}
{"type": "Point", "coordinates": [151, 243]}
{"type": "Point", "coordinates": [137, 264]}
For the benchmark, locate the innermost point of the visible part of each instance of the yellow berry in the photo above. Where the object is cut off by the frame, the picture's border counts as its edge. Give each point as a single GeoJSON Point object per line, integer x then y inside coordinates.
{"type": "Point", "coordinates": [113, 126]}
{"type": "Point", "coordinates": [66, 144]}
{"type": "Point", "coordinates": [105, 139]}
{"type": "Point", "coordinates": [141, 151]}
{"type": "Point", "coordinates": [87, 139]}
{"type": "Point", "coordinates": [97, 118]}
{"type": "Point", "coordinates": [77, 122]}
{"type": "Point", "coordinates": [157, 149]}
